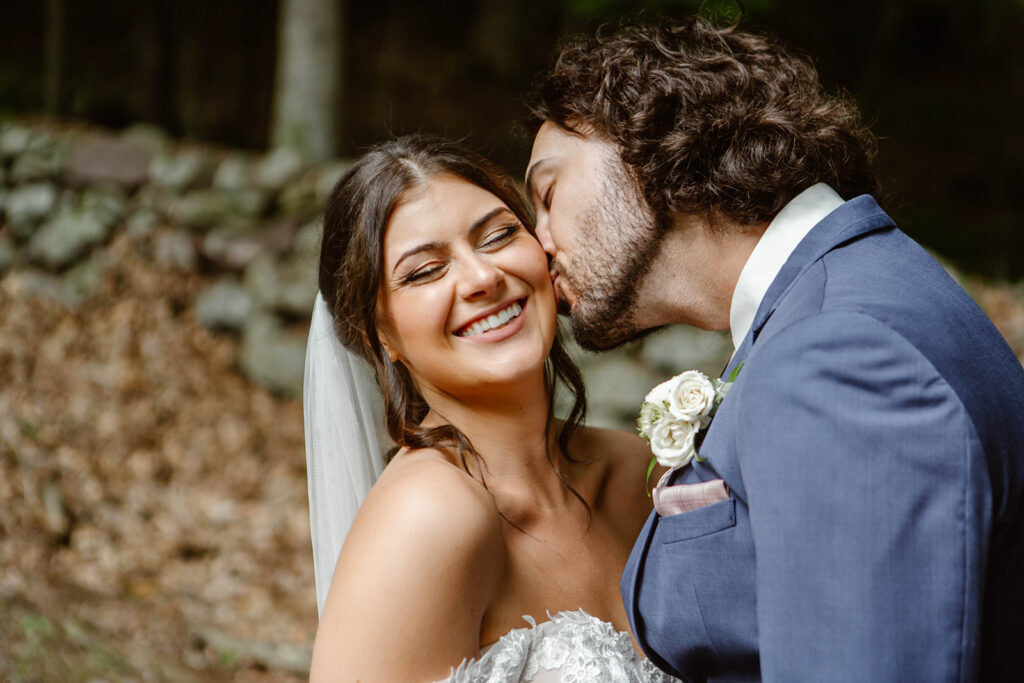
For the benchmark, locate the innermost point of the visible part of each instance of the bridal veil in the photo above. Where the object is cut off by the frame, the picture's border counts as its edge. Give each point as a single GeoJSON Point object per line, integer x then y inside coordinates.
{"type": "Point", "coordinates": [345, 440]}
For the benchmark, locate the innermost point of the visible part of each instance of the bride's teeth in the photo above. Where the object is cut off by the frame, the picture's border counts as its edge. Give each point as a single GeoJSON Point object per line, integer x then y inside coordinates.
{"type": "Point", "coordinates": [494, 320]}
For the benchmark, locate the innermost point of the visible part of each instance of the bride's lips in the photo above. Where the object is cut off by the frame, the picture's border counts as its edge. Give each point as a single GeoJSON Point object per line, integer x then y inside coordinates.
{"type": "Point", "coordinates": [499, 333]}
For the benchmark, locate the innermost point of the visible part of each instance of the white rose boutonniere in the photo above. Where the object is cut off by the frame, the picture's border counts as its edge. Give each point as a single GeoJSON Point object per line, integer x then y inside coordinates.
{"type": "Point", "coordinates": [673, 441]}
{"type": "Point", "coordinates": [692, 397]}
{"type": "Point", "coordinates": [676, 414]}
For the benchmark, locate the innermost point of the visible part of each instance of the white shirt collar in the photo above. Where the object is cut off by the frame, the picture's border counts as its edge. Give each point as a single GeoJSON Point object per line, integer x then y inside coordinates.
{"type": "Point", "coordinates": [772, 251]}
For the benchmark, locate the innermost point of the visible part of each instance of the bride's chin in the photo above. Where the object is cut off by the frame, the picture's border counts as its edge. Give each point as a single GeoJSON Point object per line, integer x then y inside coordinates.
{"type": "Point", "coordinates": [472, 384]}
{"type": "Point", "coordinates": [510, 379]}
{"type": "Point", "coordinates": [505, 380]}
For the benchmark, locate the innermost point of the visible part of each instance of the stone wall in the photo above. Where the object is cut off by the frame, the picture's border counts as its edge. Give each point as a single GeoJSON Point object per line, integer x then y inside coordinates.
{"type": "Point", "coordinates": [248, 222]}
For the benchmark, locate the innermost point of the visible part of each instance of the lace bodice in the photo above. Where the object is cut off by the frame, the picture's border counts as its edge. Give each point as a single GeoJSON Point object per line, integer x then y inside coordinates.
{"type": "Point", "coordinates": [573, 647]}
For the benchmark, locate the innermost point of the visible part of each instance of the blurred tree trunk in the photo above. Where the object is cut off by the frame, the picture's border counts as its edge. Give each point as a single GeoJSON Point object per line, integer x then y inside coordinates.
{"type": "Point", "coordinates": [53, 60]}
{"type": "Point", "coordinates": [150, 43]}
{"type": "Point", "coordinates": [188, 92]}
{"type": "Point", "coordinates": [308, 86]}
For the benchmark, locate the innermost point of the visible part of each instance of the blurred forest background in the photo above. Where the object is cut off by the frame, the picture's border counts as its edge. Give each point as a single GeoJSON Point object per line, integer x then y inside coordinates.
{"type": "Point", "coordinates": [162, 168]}
{"type": "Point", "coordinates": [942, 82]}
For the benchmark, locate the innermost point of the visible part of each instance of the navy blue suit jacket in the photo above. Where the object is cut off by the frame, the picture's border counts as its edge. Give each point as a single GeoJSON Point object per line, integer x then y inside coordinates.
{"type": "Point", "coordinates": [873, 445]}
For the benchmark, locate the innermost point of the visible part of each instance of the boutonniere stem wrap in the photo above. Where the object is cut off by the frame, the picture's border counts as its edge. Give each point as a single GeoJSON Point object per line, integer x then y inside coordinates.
{"type": "Point", "coordinates": [676, 414]}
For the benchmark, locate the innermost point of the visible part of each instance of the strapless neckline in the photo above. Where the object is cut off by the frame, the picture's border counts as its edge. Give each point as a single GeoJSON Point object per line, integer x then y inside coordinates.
{"type": "Point", "coordinates": [569, 646]}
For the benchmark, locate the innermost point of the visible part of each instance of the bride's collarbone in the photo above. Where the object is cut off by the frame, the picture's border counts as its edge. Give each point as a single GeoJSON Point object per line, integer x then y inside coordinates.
{"type": "Point", "coordinates": [563, 570]}
{"type": "Point", "coordinates": [562, 565]}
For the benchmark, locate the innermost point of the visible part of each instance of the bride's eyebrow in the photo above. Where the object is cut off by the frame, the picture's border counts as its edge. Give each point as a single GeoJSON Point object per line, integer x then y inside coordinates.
{"type": "Point", "coordinates": [426, 246]}
{"type": "Point", "coordinates": [486, 218]}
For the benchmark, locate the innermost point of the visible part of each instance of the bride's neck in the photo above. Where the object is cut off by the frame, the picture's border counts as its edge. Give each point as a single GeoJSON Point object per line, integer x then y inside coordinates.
{"type": "Point", "coordinates": [514, 433]}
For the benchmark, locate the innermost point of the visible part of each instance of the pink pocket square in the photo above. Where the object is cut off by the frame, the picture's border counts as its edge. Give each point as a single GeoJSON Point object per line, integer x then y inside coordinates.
{"type": "Point", "coordinates": [672, 500]}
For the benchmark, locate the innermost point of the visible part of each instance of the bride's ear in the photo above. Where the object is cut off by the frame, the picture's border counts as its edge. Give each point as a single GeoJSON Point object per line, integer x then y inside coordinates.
{"type": "Point", "coordinates": [384, 336]}
{"type": "Point", "coordinates": [389, 349]}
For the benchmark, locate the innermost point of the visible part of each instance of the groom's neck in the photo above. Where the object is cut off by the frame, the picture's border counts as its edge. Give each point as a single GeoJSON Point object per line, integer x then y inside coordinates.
{"type": "Point", "coordinates": [694, 273]}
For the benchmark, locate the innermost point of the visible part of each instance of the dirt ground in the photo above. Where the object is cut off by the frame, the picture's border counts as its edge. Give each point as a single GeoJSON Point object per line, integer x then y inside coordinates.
{"type": "Point", "coordinates": [153, 518]}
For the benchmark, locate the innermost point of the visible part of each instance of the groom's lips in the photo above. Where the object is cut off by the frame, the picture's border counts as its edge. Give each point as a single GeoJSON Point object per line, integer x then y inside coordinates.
{"type": "Point", "coordinates": [555, 289]}
{"type": "Point", "coordinates": [561, 300]}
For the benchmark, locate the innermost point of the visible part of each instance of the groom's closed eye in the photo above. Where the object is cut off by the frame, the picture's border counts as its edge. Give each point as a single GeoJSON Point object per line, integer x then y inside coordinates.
{"type": "Point", "coordinates": [546, 201]}
{"type": "Point", "coordinates": [533, 191]}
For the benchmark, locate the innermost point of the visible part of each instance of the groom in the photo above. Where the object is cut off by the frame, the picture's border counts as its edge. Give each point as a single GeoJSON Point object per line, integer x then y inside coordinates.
{"type": "Point", "coordinates": [872, 445]}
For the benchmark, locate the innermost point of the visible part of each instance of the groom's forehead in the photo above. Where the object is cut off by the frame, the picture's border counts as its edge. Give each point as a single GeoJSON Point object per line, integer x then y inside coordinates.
{"type": "Point", "coordinates": [554, 144]}
{"type": "Point", "coordinates": [552, 137]}
{"type": "Point", "coordinates": [546, 144]}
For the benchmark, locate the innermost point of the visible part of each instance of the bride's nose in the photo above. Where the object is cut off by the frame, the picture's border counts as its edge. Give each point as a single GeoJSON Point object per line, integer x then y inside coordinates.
{"type": "Point", "coordinates": [478, 277]}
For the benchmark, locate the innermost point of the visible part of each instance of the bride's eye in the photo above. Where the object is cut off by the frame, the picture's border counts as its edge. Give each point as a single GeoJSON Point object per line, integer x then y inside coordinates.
{"type": "Point", "coordinates": [423, 274]}
{"type": "Point", "coordinates": [501, 235]}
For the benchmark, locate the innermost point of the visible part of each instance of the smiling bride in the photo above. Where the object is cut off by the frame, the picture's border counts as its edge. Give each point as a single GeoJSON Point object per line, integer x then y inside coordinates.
{"type": "Point", "coordinates": [490, 547]}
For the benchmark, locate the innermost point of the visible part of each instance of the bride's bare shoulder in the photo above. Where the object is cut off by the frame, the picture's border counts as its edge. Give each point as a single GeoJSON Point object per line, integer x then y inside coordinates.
{"type": "Point", "coordinates": [417, 571]}
{"type": "Point", "coordinates": [421, 492]}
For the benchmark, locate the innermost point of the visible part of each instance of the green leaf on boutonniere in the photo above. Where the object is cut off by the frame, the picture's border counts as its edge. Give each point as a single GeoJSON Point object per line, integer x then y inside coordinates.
{"type": "Point", "coordinates": [698, 441]}
{"type": "Point", "coordinates": [650, 468]}
{"type": "Point", "coordinates": [735, 372]}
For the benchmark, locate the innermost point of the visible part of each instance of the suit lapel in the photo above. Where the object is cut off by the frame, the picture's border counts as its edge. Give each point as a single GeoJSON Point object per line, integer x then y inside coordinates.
{"type": "Point", "coordinates": [853, 219]}
{"type": "Point", "coordinates": [738, 357]}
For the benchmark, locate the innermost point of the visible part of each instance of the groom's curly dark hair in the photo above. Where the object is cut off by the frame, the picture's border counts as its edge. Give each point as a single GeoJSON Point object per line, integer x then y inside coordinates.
{"type": "Point", "coordinates": [707, 119]}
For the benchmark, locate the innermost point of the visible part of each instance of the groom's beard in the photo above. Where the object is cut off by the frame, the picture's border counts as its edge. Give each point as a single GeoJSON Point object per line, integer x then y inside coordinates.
{"type": "Point", "coordinates": [621, 238]}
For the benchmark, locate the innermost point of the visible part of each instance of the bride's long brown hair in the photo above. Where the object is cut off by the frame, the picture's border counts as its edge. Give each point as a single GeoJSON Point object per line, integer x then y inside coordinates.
{"type": "Point", "coordinates": [351, 266]}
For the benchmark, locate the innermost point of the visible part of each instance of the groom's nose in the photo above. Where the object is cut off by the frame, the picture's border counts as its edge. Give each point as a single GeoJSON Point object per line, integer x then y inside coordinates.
{"type": "Point", "coordinates": [544, 237]}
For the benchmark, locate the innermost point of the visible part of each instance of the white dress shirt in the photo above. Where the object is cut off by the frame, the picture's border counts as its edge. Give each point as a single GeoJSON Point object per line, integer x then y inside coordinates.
{"type": "Point", "coordinates": [772, 251]}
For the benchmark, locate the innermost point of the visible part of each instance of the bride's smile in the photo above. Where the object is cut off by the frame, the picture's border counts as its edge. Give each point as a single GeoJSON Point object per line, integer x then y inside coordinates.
{"type": "Point", "coordinates": [489, 323]}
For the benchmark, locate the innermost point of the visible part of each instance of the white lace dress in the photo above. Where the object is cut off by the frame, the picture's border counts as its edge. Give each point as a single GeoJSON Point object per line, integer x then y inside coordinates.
{"type": "Point", "coordinates": [573, 647]}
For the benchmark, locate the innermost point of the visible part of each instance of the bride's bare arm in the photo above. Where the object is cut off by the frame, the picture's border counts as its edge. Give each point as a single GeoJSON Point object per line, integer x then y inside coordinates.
{"type": "Point", "coordinates": [413, 581]}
